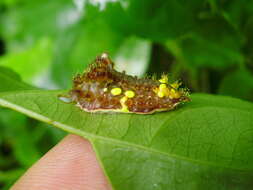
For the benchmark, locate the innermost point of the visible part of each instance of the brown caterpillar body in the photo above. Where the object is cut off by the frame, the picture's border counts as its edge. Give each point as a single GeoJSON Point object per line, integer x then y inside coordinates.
{"type": "Point", "coordinates": [101, 88]}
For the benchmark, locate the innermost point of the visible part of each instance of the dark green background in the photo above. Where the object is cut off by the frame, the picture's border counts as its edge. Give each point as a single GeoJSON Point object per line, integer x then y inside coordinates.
{"type": "Point", "coordinates": [206, 43]}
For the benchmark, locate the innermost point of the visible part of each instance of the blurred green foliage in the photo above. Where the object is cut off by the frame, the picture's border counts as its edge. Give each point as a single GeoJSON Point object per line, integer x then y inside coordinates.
{"type": "Point", "coordinates": [206, 43]}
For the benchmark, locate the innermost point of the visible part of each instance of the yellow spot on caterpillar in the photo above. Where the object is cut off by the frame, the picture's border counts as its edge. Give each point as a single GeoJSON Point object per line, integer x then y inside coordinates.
{"type": "Point", "coordinates": [129, 93]}
{"type": "Point", "coordinates": [164, 91]}
{"type": "Point", "coordinates": [162, 86]}
{"type": "Point", "coordinates": [174, 94]}
{"type": "Point", "coordinates": [105, 89]}
{"type": "Point", "coordinates": [161, 91]}
{"type": "Point", "coordinates": [124, 109]}
{"type": "Point", "coordinates": [160, 94]}
{"type": "Point", "coordinates": [123, 104]}
{"type": "Point", "coordinates": [116, 91]}
{"type": "Point", "coordinates": [176, 84]}
{"type": "Point", "coordinates": [164, 79]}
{"type": "Point", "coordinates": [123, 100]}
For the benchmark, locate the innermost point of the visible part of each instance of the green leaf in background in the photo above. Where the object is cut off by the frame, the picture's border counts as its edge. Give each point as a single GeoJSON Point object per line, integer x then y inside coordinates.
{"type": "Point", "coordinates": [9, 177]}
{"type": "Point", "coordinates": [30, 29]}
{"type": "Point", "coordinates": [36, 58]}
{"type": "Point", "coordinates": [205, 143]}
{"type": "Point", "coordinates": [208, 47]}
{"type": "Point", "coordinates": [235, 12]}
{"type": "Point", "coordinates": [28, 21]}
{"type": "Point", "coordinates": [18, 135]}
{"type": "Point", "coordinates": [12, 81]}
{"type": "Point", "coordinates": [238, 84]}
{"type": "Point", "coordinates": [156, 20]}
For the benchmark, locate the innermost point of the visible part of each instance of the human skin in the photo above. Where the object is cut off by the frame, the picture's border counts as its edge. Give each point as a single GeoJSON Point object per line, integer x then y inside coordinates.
{"type": "Point", "coordinates": [70, 165]}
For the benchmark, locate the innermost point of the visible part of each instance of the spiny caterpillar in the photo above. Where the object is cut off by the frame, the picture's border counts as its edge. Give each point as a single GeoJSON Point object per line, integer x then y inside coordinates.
{"type": "Point", "coordinates": [101, 88]}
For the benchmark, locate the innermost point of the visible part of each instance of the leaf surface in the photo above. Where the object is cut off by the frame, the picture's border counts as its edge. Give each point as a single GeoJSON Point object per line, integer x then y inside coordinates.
{"type": "Point", "coordinates": [205, 143]}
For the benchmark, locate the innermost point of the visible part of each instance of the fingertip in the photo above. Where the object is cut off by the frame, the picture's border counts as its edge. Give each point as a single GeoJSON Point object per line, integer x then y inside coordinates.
{"type": "Point", "coordinates": [71, 164]}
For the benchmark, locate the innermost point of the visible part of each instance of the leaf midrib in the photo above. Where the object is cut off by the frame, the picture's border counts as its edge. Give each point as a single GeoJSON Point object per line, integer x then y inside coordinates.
{"type": "Point", "coordinates": [90, 136]}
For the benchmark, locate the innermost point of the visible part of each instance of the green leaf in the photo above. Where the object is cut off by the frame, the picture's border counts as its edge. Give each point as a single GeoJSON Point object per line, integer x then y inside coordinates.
{"type": "Point", "coordinates": [208, 47]}
{"type": "Point", "coordinates": [9, 177]}
{"type": "Point", "coordinates": [38, 58]}
{"type": "Point", "coordinates": [235, 12]}
{"type": "Point", "coordinates": [205, 143]}
{"type": "Point", "coordinates": [13, 123]}
{"type": "Point", "coordinates": [156, 20]}
{"type": "Point", "coordinates": [29, 30]}
{"type": "Point", "coordinates": [243, 79]}
{"type": "Point", "coordinates": [30, 20]}
{"type": "Point", "coordinates": [12, 81]}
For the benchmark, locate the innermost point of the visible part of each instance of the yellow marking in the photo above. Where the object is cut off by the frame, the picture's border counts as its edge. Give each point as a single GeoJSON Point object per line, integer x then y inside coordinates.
{"type": "Point", "coordinates": [164, 91]}
{"type": "Point", "coordinates": [164, 79]}
{"type": "Point", "coordinates": [160, 94]}
{"type": "Point", "coordinates": [162, 86]}
{"type": "Point", "coordinates": [105, 89]}
{"type": "Point", "coordinates": [123, 104]}
{"type": "Point", "coordinates": [124, 109]}
{"type": "Point", "coordinates": [129, 93]}
{"type": "Point", "coordinates": [116, 91]}
{"type": "Point", "coordinates": [174, 94]}
{"type": "Point", "coordinates": [175, 84]}
{"type": "Point", "coordinates": [123, 99]}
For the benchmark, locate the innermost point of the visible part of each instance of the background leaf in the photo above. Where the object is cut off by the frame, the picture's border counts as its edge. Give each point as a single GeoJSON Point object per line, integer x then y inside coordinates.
{"type": "Point", "coordinates": [12, 81]}
{"type": "Point", "coordinates": [166, 19]}
{"type": "Point", "coordinates": [241, 78]}
{"type": "Point", "coordinates": [37, 57]}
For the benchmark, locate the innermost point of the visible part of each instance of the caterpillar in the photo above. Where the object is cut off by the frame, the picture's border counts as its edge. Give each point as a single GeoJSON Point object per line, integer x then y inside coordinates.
{"type": "Point", "coordinates": [103, 89]}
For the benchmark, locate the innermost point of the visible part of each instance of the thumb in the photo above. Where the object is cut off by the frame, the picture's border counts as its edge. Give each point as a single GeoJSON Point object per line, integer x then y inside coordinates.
{"type": "Point", "coordinates": [70, 165]}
